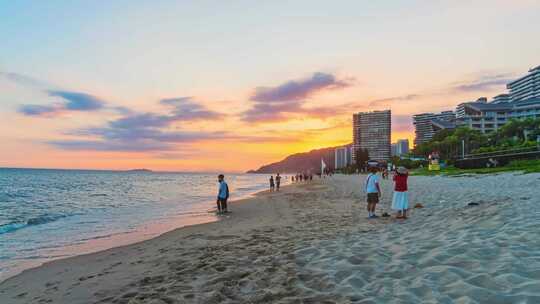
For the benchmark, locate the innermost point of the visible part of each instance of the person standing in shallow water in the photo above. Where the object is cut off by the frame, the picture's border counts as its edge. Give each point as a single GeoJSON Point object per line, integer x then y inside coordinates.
{"type": "Point", "coordinates": [272, 183]}
{"type": "Point", "coordinates": [400, 200]}
{"type": "Point", "coordinates": [223, 195]}
{"type": "Point", "coordinates": [278, 182]}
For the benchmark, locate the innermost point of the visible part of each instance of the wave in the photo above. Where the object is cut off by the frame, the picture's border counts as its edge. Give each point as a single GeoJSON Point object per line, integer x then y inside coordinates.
{"type": "Point", "coordinates": [11, 227]}
{"type": "Point", "coordinates": [14, 226]}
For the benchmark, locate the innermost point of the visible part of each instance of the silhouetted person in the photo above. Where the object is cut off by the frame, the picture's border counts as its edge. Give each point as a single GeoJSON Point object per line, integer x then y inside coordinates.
{"type": "Point", "coordinates": [272, 183]}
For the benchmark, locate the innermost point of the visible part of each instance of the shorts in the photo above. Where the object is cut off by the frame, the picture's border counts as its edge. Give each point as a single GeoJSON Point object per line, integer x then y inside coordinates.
{"type": "Point", "coordinates": [373, 198]}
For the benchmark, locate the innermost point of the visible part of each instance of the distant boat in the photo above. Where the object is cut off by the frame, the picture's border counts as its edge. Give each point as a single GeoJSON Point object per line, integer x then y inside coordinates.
{"type": "Point", "coordinates": [139, 171]}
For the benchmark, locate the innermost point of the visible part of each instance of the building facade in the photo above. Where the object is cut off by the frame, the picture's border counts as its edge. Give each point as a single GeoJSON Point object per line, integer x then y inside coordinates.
{"type": "Point", "coordinates": [501, 98]}
{"type": "Point", "coordinates": [529, 108]}
{"type": "Point", "coordinates": [427, 124]}
{"type": "Point", "coordinates": [526, 87]}
{"type": "Point", "coordinates": [342, 157]}
{"type": "Point", "coordinates": [402, 147]}
{"type": "Point", "coordinates": [393, 150]}
{"type": "Point", "coordinates": [482, 116]}
{"type": "Point", "coordinates": [522, 101]}
{"type": "Point", "coordinates": [489, 117]}
{"type": "Point", "coordinates": [372, 131]}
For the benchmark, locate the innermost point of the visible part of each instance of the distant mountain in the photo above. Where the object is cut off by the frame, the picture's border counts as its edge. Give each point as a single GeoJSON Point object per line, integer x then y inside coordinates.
{"type": "Point", "coordinates": [301, 162]}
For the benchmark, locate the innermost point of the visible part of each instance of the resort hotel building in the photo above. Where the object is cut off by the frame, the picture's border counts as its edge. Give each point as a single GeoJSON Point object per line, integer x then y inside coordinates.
{"type": "Point", "coordinates": [372, 132]}
{"type": "Point", "coordinates": [526, 87]}
{"type": "Point", "coordinates": [427, 124]}
{"type": "Point", "coordinates": [522, 101]}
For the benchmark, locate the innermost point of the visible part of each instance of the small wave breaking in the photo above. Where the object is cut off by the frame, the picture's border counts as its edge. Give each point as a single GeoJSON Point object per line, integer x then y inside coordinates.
{"type": "Point", "coordinates": [14, 226]}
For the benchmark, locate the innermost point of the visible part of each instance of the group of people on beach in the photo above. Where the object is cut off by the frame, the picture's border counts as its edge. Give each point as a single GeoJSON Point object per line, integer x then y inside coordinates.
{"type": "Point", "coordinates": [299, 177]}
{"type": "Point", "coordinates": [400, 199]}
{"type": "Point", "coordinates": [274, 185]}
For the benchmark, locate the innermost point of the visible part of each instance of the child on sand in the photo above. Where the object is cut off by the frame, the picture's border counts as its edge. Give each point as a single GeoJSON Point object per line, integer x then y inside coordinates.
{"type": "Point", "coordinates": [400, 201]}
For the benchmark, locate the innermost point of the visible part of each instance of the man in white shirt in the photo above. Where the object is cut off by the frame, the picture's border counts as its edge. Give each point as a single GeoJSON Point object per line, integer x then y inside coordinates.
{"type": "Point", "coordinates": [373, 191]}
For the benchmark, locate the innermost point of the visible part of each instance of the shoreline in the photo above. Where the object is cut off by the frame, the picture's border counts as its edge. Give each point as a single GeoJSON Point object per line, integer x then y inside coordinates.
{"type": "Point", "coordinates": [143, 232]}
{"type": "Point", "coordinates": [44, 270]}
{"type": "Point", "coordinates": [312, 243]}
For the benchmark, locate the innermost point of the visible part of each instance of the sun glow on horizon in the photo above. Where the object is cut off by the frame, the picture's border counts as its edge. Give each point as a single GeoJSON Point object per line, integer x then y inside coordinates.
{"type": "Point", "coordinates": [195, 86]}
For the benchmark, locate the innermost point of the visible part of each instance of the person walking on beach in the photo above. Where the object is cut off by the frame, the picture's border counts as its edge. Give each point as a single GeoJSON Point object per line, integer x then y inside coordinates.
{"type": "Point", "coordinates": [373, 191]}
{"type": "Point", "coordinates": [278, 181]}
{"type": "Point", "coordinates": [223, 195]}
{"type": "Point", "coordinates": [271, 183]}
{"type": "Point", "coordinates": [400, 201]}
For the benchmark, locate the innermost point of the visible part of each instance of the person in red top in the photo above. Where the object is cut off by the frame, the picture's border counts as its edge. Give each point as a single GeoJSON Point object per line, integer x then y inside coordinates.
{"type": "Point", "coordinates": [400, 201]}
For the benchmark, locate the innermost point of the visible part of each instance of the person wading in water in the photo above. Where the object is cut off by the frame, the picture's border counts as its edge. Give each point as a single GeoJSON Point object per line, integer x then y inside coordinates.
{"type": "Point", "coordinates": [223, 195]}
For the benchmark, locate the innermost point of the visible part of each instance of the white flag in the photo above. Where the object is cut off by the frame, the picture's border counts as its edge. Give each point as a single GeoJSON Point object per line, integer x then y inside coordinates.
{"type": "Point", "coordinates": [323, 166]}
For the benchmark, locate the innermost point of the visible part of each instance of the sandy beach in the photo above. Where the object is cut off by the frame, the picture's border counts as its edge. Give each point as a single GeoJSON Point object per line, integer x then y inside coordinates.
{"type": "Point", "coordinates": [312, 243]}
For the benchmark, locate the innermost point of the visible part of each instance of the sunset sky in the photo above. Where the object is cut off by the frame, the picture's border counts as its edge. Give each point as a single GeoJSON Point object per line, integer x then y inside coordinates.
{"type": "Point", "coordinates": [233, 85]}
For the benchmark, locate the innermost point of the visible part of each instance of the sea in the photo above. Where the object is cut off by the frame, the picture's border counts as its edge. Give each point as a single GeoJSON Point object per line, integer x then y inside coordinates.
{"type": "Point", "coordinates": [51, 214]}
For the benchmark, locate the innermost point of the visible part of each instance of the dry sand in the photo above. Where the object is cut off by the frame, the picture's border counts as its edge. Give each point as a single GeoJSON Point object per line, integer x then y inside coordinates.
{"type": "Point", "coordinates": [312, 243]}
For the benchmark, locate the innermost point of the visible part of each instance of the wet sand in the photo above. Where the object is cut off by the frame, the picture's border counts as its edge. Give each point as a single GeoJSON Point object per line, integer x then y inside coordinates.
{"type": "Point", "coordinates": [312, 243]}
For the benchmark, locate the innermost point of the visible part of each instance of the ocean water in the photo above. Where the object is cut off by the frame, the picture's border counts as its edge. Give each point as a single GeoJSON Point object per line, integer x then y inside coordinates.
{"type": "Point", "coordinates": [51, 214]}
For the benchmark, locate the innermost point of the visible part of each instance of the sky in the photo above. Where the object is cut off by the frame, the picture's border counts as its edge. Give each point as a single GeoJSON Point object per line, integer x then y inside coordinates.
{"type": "Point", "coordinates": [232, 85]}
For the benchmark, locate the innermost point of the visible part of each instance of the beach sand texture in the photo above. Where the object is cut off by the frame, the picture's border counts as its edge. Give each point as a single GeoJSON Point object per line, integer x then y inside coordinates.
{"type": "Point", "coordinates": [312, 243]}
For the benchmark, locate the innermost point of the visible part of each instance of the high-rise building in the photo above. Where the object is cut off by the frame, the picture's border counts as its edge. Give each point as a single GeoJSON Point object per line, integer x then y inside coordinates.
{"type": "Point", "coordinates": [402, 147]}
{"type": "Point", "coordinates": [342, 156]}
{"type": "Point", "coordinates": [525, 87]}
{"type": "Point", "coordinates": [427, 124]}
{"type": "Point", "coordinates": [372, 132]}
{"type": "Point", "coordinates": [393, 150]}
